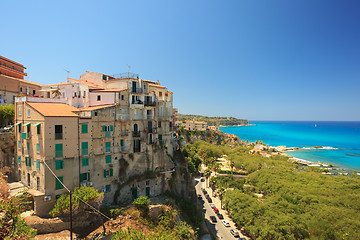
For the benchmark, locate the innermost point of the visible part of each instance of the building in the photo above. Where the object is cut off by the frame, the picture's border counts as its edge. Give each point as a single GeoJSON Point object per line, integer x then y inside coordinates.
{"type": "Point", "coordinates": [196, 125]}
{"type": "Point", "coordinates": [12, 81]}
{"type": "Point", "coordinates": [112, 133]}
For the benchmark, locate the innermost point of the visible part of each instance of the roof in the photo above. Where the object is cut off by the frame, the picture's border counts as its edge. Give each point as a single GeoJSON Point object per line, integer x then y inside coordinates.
{"type": "Point", "coordinates": [95, 107]}
{"type": "Point", "coordinates": [111, 90]}
{"type": "Point", "coordinates": [54, 109]}
{"type": "Point", "coordinates": [155, 85]}
{"type": "Point", "coordinates": [57, 84]}
{"type": "Point", "coordinates": [29, 82]}
{"type": "Point", "coordinates": [89, 84]}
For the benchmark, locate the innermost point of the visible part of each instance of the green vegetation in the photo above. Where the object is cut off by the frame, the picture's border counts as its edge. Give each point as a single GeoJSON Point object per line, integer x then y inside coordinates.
{"type": "Point", "coordinates": [11, 225]}
{"type": "Point", "coordinates": [280, 199]}
{"type": "Point", "coordinates": [142, 204]}
{"type": "Point", "coordinates": [87, 194]}
{"type": "Point", "coordinates": [225, 121]}
{"type": "Point", "coordinates": [7, 114]}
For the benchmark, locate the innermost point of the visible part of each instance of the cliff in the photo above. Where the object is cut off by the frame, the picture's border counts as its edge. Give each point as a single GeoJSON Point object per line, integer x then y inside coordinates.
{"type": "Point", "coordinates": [213, 121]}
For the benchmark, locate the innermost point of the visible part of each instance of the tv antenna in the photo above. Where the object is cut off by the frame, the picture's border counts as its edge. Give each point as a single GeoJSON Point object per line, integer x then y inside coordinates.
{"type": "Point", "coordinates": [128, 69]}
{"type": "Point", "coordinates": [67, 73]}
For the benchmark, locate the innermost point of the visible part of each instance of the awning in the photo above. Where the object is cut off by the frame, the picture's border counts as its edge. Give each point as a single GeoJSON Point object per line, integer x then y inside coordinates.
{"type": "Point", "coordinates": [26, 124]}
{"type": "Point", "coordinates": [17, 123]}
{"type": "Point", "coordinates": [35, 125]}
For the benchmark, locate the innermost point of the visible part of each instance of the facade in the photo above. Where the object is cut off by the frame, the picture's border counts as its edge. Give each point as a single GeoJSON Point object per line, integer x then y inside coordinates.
{"type": "Point", "coordinates": [196, 125]}
{"type": "Point", "coordinates": [12, 82]}
{"type": "Point", "coordinates": [115, 134]}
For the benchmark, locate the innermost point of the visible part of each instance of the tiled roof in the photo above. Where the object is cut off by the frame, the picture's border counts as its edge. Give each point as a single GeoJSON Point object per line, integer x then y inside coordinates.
{"type": "Point", "coordinates": [54, 109]}
{"type": "Point", "coordinates": [111, 90]}
{"type": "Point", "coordinates": [29, 82]}
{"type": "Point", "coordinates": [57, 84]}
{"type": "Point", "coordinates": [155, 85]}
{"type": "Point", "coordinates": [95, 107]}
{"type": "Point", "coordinates": [90, 84]}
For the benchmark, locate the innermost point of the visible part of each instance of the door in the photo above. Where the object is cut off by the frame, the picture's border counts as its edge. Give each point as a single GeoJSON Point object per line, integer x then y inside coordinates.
{"type": "Point", "coordinates": [134, 87]}
{"type": "Point", "coordinates": [147, 191]}
{"type": "Point", "coordinates": [134, 192]}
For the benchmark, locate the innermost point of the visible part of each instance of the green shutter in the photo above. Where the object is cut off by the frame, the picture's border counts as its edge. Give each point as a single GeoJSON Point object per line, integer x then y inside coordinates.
{"type": "Point", "coordinates": [38, 147]}
{"type": "Point", "coordinates": [111, 128]}
{"type": "Point", "coordinates": [59, 164]}
{"type": "Point", "coordinates": [58, 184]}
{"type": "Point", "coordinates": [19, 159]}
{"type": "Point", "coordinates": [84, 148]}
{"type": "Point", "coordinates": [29, 162]}
{"type": "Point", "coordinates": [23, 135]}
{"type": "Point", "coordinates": [59, 150]}
{"type": "Point", "coordinates": [81, 177]}
{"type": "Point", "coordinates": [28, 148]}
{"type": "Point", "coordinates": [122, 142]}
{"type": "Point", "coordinates": [108, 159]}
{"type": "Point", "coordinates": [37, 164]}
{"type": "Point", "coordinates": [104, 128]}
{"type": "Point", "coordinates": [107, 147]}
{"type": "Point", "coordinates": [111, 172]}
{"type": "Point", "coordinates": [85, 161]}
{"type": "Point", "coordinates": [88, 176]}
{"type": "Point", "coordinates": [104, 172]}
{"type": "Point", "coordinates": [19, 144]}
{"type": "Point", "coordinates": [84, 128]}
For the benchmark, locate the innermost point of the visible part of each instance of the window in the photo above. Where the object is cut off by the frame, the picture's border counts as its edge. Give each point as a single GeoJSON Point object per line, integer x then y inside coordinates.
{"type": "Point", "coordinates": [19, 144]}
{"type": "Point", "coordinates": [108, 172]}
{"type": "Point", "coordinates": [28, 128]}
{"type": "Point", "coordinates": [84, 177]}
{"type": "Point", "coordinates": [21, 89]}
{"type": "Point", "coordinates": [19, 160]}
{"type": "Point", "coordinates": [28, 113]}
{"type": "Point", "coordinates": [84, 128]}
{"type": "Point", "coordinates": [20, 110]}
{"type": "Point", "coordinates": [19, 128]}
{"type": "Point", "coordinates": [84, 148]}
{"type": "Point", "coordinates": [27, 148]}
{"type": "Point", "coordinates": [95, 114]}
{"type": "Point", "coordinates": [160, 94]}
{"type": "Point", "coordinates": [108, 147]}
{"type": "Point", "coordinates": [108, 159]}
{"type": "Point", "coordinates": [99, 98]}
{"type": "Point", "coordinates": [38, 147]}
{"type": "Point", "coordinates": [85, 162]}
{"type": "Point", "coordinates": [58, 132]}
{"type": "Point", "coordinates": [59, 150]}
{"type": "Point", "coordinates": [122, 97]}
{"type": "Point", "coordinates": [58, 183]}
{"type": "Point", "coordinates": [159, 124]}
{"type": "Point", "coordinates": [84, 94]}
{"type": "Point", "coordinates": [37, 164]}
{"type": "Point", "coordinates": [160, 139]}
{"type": "Point", "coordinates": [108, 130]}
{"type": "Point", "coordinates": [59, 164]}
{"type": "Point", "coordinates": [147, 183]}
{"type": "Point", "coordinates": [38, 129]}
{"type": "Point", "coordinates": [34, 92]}
{"type": "Point", "coordinates": [104, 77]}
{"type": "Point", "coordinates": [107, 188]}
{"type": "Point", "coordinates": [137, 145]}
{"type": "Point", "coordinates": [28, 161]}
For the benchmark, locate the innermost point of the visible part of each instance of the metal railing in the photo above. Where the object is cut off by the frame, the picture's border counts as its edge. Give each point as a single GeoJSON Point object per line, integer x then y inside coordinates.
{"type": "Point", "coordinates": [136, 133]}
{"type": "Point", "coordinates": [124, 133]}
{"type": "Point", "coordinates": [136, 90]}
{"type": "Point", "coordinates": [152, 130]}
{"type": "Point", "coordinates": [137, 102]}
{"type": "Point", "coordinates": [150, 103]}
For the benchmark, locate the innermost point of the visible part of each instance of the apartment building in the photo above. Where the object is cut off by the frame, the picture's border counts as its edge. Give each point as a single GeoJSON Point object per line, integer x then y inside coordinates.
{"type": "Point", "coordinates": [196, 125]}
{"type": "Point", "coordinates": [12, 81]}
{"type": "Point", "coordinates": [115, 134]}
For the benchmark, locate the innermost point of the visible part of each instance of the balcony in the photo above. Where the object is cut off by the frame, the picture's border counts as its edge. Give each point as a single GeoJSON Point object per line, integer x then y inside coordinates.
{"type": "Point", "coordinates": [122, 149]}
{"type": "Point", "coordinates": [150, 103]}
{"type": "Point", "coordinates": [136, 90]}
{"type": "Point", "coordinates": [152, 141]}
{"type": "Point", "coordinates": [136, 133]}
{"type": "Point", "coordinates": [124, 133]}
{"type": "Point", "coordinates": [149, 116]}
{"type": "Point", "coordinates": [152, 130]}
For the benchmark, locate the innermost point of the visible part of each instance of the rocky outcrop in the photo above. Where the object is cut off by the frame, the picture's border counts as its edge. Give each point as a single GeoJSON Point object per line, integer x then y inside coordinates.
{"type": "Point", "coordinates": [7, 154]}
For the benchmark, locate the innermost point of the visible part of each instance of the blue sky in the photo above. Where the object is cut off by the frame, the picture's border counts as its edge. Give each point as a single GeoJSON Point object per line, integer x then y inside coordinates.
{"type": "Point", "coordinates": [259, 60]}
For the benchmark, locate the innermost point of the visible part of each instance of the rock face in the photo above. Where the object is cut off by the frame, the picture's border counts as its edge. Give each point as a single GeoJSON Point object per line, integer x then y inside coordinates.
{"type": "Point", "coordinates": [7, 154]}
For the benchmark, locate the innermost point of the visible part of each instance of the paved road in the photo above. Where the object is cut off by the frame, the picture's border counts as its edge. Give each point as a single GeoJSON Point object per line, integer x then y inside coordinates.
{"type": "Point", "coordinates": [218, 227]}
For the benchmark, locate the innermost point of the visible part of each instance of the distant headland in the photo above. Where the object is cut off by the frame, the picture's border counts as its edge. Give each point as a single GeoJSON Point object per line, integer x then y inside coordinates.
{"type": "Point", "coordinates": [213, 121]}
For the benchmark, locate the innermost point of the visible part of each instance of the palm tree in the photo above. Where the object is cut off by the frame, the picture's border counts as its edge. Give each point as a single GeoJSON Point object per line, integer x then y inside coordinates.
{"type": "Point", "coordinates": [207, 174]}
{"type": "Point", "coordinates": [221, 193]}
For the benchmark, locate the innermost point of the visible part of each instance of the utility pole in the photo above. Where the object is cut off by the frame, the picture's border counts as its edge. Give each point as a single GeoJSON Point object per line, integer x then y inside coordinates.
{"type": "Point", "coordinates": [71, 230]}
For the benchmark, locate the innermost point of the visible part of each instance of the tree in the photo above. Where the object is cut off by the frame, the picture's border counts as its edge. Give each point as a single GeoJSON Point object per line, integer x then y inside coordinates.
{"type": "Point", "coordinates": [11, 225]}
{"type": "Point", "coordinates": [7, 114]}
{"type": "Point", "coordinates": [142, 204]}
{"type": "Point", "coordinates": [88, 194]}
{"type": "Point", "coordinates": [221, 193]}
{"type": "Point", "coordinates": [207, 175]}
{"type": "Point", "coordinates": [232, 165]}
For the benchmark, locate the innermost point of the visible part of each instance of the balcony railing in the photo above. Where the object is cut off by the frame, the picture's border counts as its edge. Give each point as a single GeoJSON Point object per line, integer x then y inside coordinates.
{"type": "Point", "coordinates": [136, 90]}
{"type": "Point", "coordinates": [124, 133]}
{"type": "Point", "coordinates": [137, 102]}
{"type": "Point", "coordinates": [122, 149]}
{"type": "Point", "coordinates": [150, 103]}
{"type": "Point", "coordinates": [152, 141]}
{"type": "Point", "coordinates": [152, 130]}
{"type": "Point", "coordinates": [136, 133]}
{"type": "Point", "coordinates": [149, 117]}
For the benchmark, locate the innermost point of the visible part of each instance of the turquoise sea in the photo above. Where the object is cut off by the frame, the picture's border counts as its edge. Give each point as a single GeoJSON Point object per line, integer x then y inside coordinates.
{"type": "Point", "coordinates": [343, 136]}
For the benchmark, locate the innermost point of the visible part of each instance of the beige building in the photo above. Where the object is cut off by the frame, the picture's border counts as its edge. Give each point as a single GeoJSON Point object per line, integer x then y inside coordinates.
{"type": "Point", "coordinates": [121, 143]}
{"type": "Point", "coordinates": [196, 125]}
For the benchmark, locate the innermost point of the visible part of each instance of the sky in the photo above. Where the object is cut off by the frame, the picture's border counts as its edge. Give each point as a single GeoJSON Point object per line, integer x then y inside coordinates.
{"type": "Point", "coordinates": [251, 59]}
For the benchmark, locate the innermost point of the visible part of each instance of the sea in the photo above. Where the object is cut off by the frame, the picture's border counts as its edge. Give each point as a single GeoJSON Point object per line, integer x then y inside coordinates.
{"type": "Point", "coordinates": [342, 138]}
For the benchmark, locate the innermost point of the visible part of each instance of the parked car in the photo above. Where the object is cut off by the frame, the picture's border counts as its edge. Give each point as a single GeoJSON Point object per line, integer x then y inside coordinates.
{"type": "Point", "coordinates": [212, 205]}
{"type": "Point", "coordinates": [213, 218]}
{"type": "Point", "coordinates": [216, 210]}
{"type": "Point", "coordinates": [234, 232]}
{"type": "Point", "coordinates": [199, 196]}
{"type": "Point", "coordinates": [220, 216]}
{"type": "Point", "coordinates": [226, 223]}
{"type": "Point", "coordinates": [209, 199]}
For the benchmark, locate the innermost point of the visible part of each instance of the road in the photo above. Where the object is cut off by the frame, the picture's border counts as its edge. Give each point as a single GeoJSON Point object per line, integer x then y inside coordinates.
{"type": "Point", "coordinates": [217, 228]}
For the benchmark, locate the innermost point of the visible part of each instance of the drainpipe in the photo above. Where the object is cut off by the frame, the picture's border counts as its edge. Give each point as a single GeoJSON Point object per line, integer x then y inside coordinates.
{"type": "Point", "coordinates": [78, 123]}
